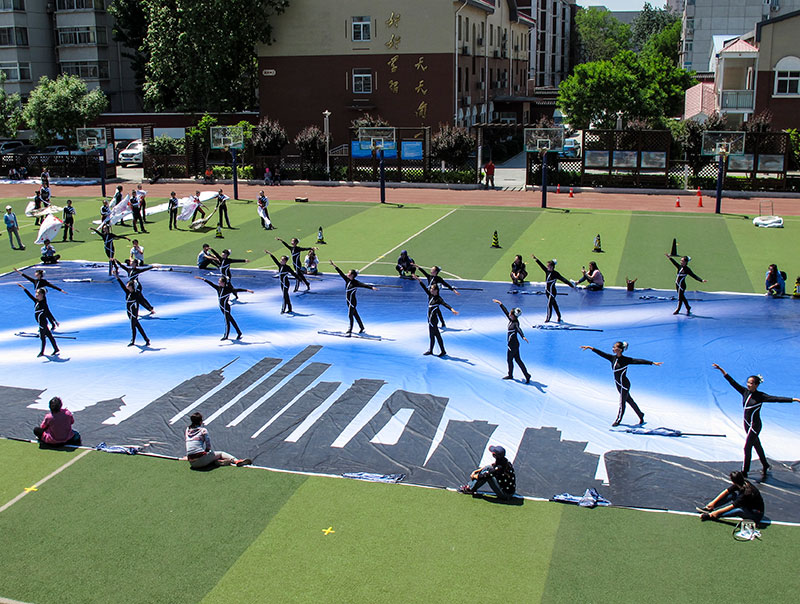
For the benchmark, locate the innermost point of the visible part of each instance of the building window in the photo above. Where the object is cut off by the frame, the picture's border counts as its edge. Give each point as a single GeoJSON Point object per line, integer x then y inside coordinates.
{"type": "Point", "coordinates": [7, 5]}
{"type": "Point", "coordinates": [362, 81]}
{"type": "Point", "coordinates": [73, 36]}
{"type": "Point", "coordinates": [89, 70]}
{"type": "Point", "coordinates": [16, 72]}
{"type": "Point", "coordinates": [687, 46]}
{"type": "Point", "coordinates": [13, 36]}
{"type": "Point", "coordinates": [80, 5]}
{"type": "Point", "coordinates": [787, 76]}
{"type": "Point", "coordinates": [361, 29]}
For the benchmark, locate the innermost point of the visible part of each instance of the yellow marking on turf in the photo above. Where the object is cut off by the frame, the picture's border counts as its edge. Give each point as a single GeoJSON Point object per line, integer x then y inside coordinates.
{"type": "Point", "coordinates": [328, 530]}
{"type": "Point", "coordinates": [44, 480]}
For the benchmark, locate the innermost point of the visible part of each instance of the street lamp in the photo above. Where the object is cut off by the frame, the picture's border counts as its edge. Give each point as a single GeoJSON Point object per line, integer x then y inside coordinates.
{"type": "Point", "coordinates": [327, 114]}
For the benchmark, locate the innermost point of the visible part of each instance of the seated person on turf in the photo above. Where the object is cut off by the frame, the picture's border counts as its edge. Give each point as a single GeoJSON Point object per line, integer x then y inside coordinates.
{"type": "Point", "coordinates": [745, 501]}
{"type": "Point", "coordinates": [207, 257]}
{"type": "Point", "coordinates": [311, 263]}
{"type": "Point", "coordinates": [199, 451]}
{"type": "Point", "coordinates": [593, 276]}
{"type": "Point", "coordinates": [49, 255]}
{"type": "Point", "coordinates": [405, 265]}
{"type": "Point", "coordinates": [56, 428]}
{"type": "Point", "coordinates": [499, 475]}
{"type": "Point", "coordinates": [775, 281]}
{"type": "Point", "coordinates": [518, 272]}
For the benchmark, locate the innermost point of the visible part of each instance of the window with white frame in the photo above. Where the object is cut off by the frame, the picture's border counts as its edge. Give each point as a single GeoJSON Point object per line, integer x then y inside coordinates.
{"type": "Point", "coordinates": [362, 81]}
{"type": "Point", "coordinates": [80, 5]}
{"type": "Point", "coordinates": [13, 36]}
{"type": "Point", "coordinates": [787, 76]}
{"type": "Point", "coordinates": [89, 70]}
{"type": "Point", "coordinates": [362, 29]}
{"type": "Point", "coordinates": [76, 36]}
{"type": "Point", "coordinates": [9, 5]}
{"type": "Point", "coordinates": [16, 72]}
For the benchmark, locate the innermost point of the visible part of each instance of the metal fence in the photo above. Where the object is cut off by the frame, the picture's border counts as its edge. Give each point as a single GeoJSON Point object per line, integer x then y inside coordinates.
{"type": "Point", "coordinates": [59, 166]}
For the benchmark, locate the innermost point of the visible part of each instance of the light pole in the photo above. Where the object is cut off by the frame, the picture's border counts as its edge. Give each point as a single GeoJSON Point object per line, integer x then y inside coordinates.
{"type": "Point", "coordinates": [326, 115]}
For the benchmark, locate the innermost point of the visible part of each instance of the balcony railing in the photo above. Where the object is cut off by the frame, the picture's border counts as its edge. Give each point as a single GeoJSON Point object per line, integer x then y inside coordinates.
{"type": "Point", "coordinates": [737, 99]}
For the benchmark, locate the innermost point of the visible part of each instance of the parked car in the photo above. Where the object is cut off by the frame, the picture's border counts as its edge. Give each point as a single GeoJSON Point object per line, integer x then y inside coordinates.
{"type": "Point", "coordinates": [132, 154]}
{"type": "Point", "coordinates": [62, 150]}
{"type": "Point", "coordinates": [9, 146]}
{"type": "Point", "coordinates": [23, 150]}
{"type": "Point", "coordinates": [572, 148]}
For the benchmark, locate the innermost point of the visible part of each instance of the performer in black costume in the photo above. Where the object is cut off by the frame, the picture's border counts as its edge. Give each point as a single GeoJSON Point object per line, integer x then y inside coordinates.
{"type": "Point", "coordinates": [105, 212]}
{"type": "Point", "coordinates": [118, 199]}
{"type": "Point", "coordinates": [284, 270]}
{"type": "Point", "coordinates": [434, 277]}
{"type": "Point", "coordinates": [295, 250]}
{"type": "Point", "coordinates": [224, 260]}
{"type": "Point", "coordinates": [42, 314]}
{"type": "Point", "coordinates": [619, 364]}
{"type": "Point", "coordinates": [136, 208]}
{"type": "Point", "coordinates": [351, 284]}
{"type": "Point", "coordinates": [172, 208]}
{"type": "Point", "coordinates": [263, 203]}
{"type": "Point", "coordinates": [680, 281]}
{"type": "Point", "coordinates": [108, 243]}
{"type": "Point", "coordinates": [132, 308]}
{"type": "Point", "coordinates": [550, 277]}
{"type": "Point", "coordinates": [68, 225]}
{"type": "Point", "coordinates": [224, 291]}
{"type": "Point", "coordinates": [37, 205]}
{"type": "Point", "coordinates": [38, 282]}
{"type": "Point", "coordinates": [134, 270]}
{"type": "Point", "coordinates": [434, 302]}
{"type": "Point", "coordinates": [222, 208]}
{"type": "Point", "coordinates": [752, 399]}
{"type": "Point", "coordinates": [512, 342]}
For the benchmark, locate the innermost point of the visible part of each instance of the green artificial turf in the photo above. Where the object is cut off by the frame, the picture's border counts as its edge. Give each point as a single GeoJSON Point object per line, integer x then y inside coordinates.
{"type": "Point", "coordinates": [22, 466]}
{"type": "Point", "coordinates": [617, 555]}
{"type": "Point", "coordinates": [727, 250]}
{"type": "Point", "coordinates": [113, 528]}
{"type": "Point", "coordinates": [393, 544]}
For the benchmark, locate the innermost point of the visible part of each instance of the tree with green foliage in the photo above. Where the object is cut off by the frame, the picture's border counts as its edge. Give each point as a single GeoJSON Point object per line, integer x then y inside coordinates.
{"type": "Point", "coordinates": [200, 135]}
{"type": "Point", "coordinates": [10, 110]}
{"type": "Point", "coordinates": [794, 146]}
{"type": "Point", "coordinates": [600, 35]}
{"type": "Point", "coordinates": [646, 88]}
{"type": "Point", "coordinates": [202, 55]}
{"type": "Point", "coordinates": [311, 144]}
{"type": "Point", "coordinates": [130, 28]}
{"type": "Point", "coordinates": [650, 22]}
{"type": "Point", "coordinates": [453, 145]}
{"type": "Point", "coordinates": [666, 43]}
{"type": "Point", "coordinates": [165, 145]}
{"type": "Point", "coordinates": [55, 108]}
{"type": "Point", "coordinates": [269, 137]}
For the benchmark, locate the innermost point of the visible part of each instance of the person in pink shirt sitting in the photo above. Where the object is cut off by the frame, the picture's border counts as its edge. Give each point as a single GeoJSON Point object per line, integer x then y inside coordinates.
{"type": "Point", "coordinates": [56, 428]}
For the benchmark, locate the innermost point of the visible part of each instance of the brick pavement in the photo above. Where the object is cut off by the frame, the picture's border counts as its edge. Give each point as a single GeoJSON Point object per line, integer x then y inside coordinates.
{"type": "Point", "coordinates": [633, 200]}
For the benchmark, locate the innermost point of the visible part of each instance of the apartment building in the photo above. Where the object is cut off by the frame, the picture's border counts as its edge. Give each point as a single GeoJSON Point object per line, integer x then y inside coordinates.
{"type": "Point", "coordinates": [414, 63]}
{"type": "Point", "coordinates": [49, 37]}
{"type": "Point", "coordinates": [725, 19]}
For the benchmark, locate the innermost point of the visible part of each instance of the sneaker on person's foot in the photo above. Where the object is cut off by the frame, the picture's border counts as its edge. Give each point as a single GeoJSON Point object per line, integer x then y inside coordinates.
{"type": "Point", "coordinates": [705, 516]}
{"type": "Point", "coordinates": [464, 489]}
{"type": "Point", "coordinates": [508, 377]}
{"type": "Point", "coordinates": [243, 462]}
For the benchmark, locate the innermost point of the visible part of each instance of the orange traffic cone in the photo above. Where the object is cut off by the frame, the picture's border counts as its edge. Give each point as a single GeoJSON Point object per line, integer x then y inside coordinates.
{"type": "Point", "coordinates": [677, 202]}
{"type": "Point", "coordinates": [700, 201]}
{"type": "Point", "coordinates": [699, 194]}
{"type": "Point", "coordinates": [558, 188]}
{"type": "Point", "coordinates": [570, 192]}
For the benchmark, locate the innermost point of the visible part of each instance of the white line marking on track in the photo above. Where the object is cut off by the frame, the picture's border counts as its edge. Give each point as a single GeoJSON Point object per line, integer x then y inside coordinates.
{"type": "Point", "coordinates": [402, 243]}
{"type": "Point", "coordinates": [46, 478]}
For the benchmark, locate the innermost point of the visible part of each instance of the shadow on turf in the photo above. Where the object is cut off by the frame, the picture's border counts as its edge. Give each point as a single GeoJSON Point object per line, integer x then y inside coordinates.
{"type": "Point", "coordinates": [514, 501]}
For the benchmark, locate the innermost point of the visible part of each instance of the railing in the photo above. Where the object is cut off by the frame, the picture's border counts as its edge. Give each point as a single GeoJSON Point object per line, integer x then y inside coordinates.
{"type": "Point", "coordinates": [737, 99]}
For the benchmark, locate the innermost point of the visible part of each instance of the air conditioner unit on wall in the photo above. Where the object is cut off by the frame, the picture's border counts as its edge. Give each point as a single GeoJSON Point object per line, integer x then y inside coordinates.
{"type": "Point", "coordinates": [481, 85]}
